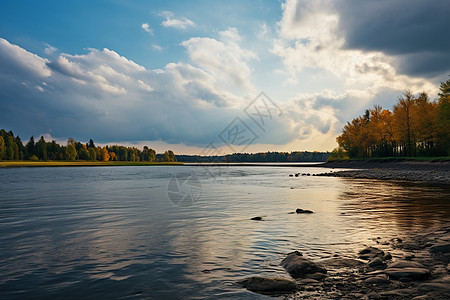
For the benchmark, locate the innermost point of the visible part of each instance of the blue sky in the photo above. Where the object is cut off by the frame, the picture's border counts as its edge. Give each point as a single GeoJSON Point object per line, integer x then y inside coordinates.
{"type": "Point", "coordinates": [176, 74]}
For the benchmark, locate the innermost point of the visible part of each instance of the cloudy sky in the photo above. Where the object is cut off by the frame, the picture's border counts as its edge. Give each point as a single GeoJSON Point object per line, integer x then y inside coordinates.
{"type": "Point", "coordinates": [188, 75]}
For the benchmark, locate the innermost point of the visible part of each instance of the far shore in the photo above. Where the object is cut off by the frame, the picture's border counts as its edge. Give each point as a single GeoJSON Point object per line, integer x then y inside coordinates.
{"type": "Point", "coordinates": [77, 163]}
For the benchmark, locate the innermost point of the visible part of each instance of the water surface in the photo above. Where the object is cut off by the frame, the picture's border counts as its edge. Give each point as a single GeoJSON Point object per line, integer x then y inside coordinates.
{"type": "Point", "coordinates": [115, 232]}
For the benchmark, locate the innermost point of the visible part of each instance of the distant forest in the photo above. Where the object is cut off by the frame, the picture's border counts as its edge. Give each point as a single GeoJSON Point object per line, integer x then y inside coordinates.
{"type": "Point", "coordinates": [304, 156]}
{"type": "Point", "coordinates": [415, 127]}
{"type": "Point", "coordinates": [12, 148]}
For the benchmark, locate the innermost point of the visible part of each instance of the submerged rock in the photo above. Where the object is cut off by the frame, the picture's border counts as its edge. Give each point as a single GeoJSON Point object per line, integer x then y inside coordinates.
{"type": "Point", "coordinates": [408, 273]}
{"type": "Point", "coordinates": [303, 211]}
{"type": "Point", "coordinates": [269, 285]}
{"type": "Point", "coordinates": [299, 266]}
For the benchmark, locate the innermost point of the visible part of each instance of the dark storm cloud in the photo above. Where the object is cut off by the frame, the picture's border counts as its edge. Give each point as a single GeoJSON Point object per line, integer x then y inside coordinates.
{"type": "Point", "coordinates": [414, 32]}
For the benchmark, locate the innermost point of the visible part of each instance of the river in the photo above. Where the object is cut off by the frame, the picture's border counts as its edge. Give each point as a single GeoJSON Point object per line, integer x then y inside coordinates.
{"type": "Point", "coordinates": [185, 231]}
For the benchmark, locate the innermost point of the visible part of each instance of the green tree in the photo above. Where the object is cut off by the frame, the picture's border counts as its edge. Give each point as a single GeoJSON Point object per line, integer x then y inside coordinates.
{"type": "Point", "coordinates": [9, 143]}
{"type": "Point", "coordinates": [443, 118]}
{"type": "Point", "coordinates": [21, 150]}
{"type": "Point", "coordinates": [71, 152]}
{"type": "Point", "coordinates": [148, 154]}
{"type": "Point", "coordinates": [92, 154]}
{"type": "Point", "coordinates": [338, 153]}
{"type": "Point", "coordinates": [91, 144]}
{"type": "Point", "coordinates": [31, 150]}
{"type": "Point", "coordinates": [41, 149]}
{"type": "Point", "coordinates": [83, 153]}
{"type": "Point", "coordinates": [2, 148]}
{"type": "Point", "coordinates": [171, 155]}
{"type": "Point", "coordinates": [165, 156]}
{"type": "Point", "coordinates": [168, 156]}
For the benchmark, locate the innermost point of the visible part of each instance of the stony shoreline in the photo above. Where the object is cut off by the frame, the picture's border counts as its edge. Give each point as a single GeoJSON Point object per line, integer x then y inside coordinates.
{"type": "Point", "coordinates": [418, 268]}
{"type": "Point", "coordinates": [406, 170]}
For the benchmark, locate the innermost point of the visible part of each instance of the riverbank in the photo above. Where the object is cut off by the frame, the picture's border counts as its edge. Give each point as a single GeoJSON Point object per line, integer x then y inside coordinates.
{"type": "Point", "coordinates": [429, 171]}
{"type": "Point", "coordinates": [414, 267]}
{"type": "Point", "coordinates": [19, 164]}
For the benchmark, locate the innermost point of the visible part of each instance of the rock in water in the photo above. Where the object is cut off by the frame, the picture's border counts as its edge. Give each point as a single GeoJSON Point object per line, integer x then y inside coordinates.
{"type": "Point", "coordinates": [377, 280]}
{"type": "Point", "coordinates": [370, 253]}
{"type": "Point", "coordinates": [408, 270]}
{"type": "Point", "coordinates": [407, 273]}
{"type": "Point", "coordinates": [269, 285]}
{"type": "Point", "coordinates": [406, 264]}
{"type": "Point", "coordinates": [376, 262]}
{"type": "Point", "coordinates": [303, 211]}
{"type": "Point", "coordinates": [299, 266]}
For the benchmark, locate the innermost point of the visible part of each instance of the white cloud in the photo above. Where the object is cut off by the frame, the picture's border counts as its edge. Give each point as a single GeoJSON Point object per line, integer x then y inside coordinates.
{"type": "Point", "coordinates": [309, 38]}
{"type": "Point", "coordinates": [157, 47]}
{"type": "Point", "coordinates": [172, 21]}
{"type": "Point", "coordinates": [225, 59]}
{"type": "Point", "coordinates": [106, 96]}
{"type": "Point", "coordinates": [49, 50]}
{"type": "Point", "coordinates": [39, 88]}
{"type": "Point", "coordinates": [147, 28]}
{"type": "Point", "coordinates": [264, 33]}
{"type": "Point", "coordinates": [19, 62]}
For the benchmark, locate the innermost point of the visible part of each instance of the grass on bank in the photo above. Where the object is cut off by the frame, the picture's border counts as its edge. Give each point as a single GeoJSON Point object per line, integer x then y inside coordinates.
{"type": "Point", "coordinates": [80, 163]}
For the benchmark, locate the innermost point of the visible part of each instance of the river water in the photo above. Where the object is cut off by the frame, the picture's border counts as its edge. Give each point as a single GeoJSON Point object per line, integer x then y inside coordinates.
{"type": "Point", "coordinates": [184, 232]}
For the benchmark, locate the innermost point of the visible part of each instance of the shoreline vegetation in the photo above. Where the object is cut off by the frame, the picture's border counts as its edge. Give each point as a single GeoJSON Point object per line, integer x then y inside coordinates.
{"type": "Point", "coordinates": [416, 126]}
{"type": "Point", "coordinates": [79, 163]}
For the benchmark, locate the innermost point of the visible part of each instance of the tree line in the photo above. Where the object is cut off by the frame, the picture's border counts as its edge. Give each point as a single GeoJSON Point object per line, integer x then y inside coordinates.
{"type": "Point", "coordinates": [296, 156]}
{"type": "Point", "coordinates": [12, 148]}
{"type": "Point", "coordinates": [416, 126]}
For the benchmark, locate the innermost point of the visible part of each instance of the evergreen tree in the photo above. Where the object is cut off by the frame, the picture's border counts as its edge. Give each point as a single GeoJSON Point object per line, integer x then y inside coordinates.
{"type": "Point", "coordinates": [91, 144]}
{"type": "Point", "coordinates": [31, 150]}
{"type": "Point", "coordinates": [41, 149]}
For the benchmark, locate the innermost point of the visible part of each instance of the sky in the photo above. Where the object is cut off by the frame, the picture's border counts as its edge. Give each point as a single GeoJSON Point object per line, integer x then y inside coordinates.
{"type": "Point", "coordinates": [213, 77]}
